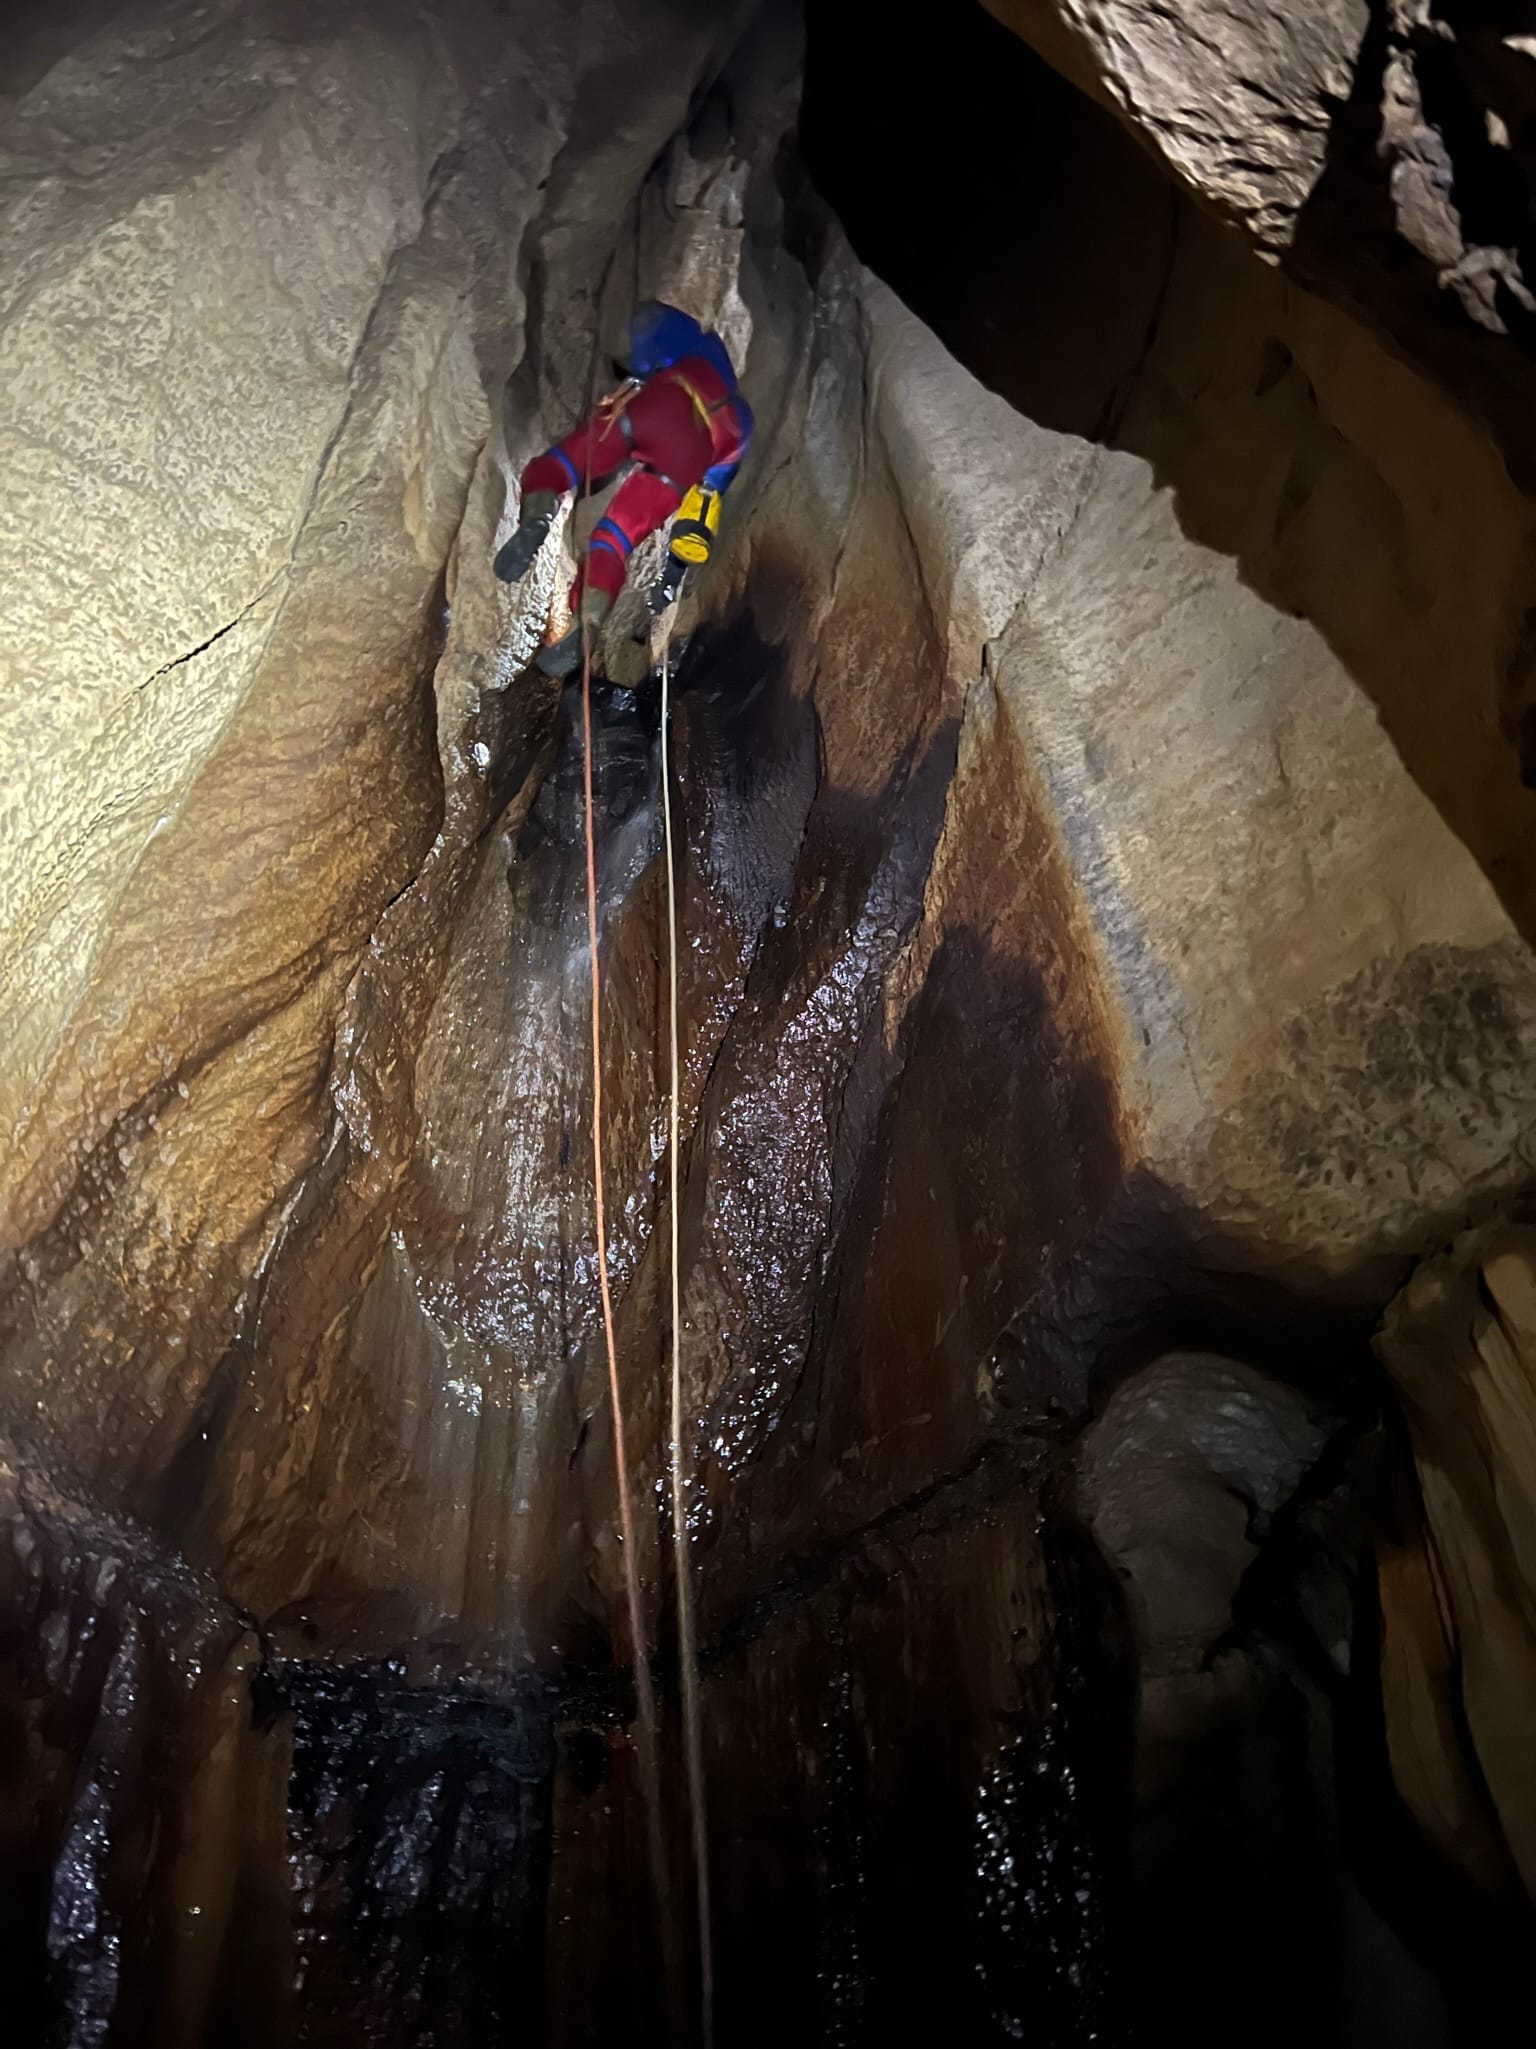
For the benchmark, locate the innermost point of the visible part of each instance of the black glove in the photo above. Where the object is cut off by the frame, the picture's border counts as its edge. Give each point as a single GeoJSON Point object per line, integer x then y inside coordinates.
{"type": "Point", "coordinates": [516, 557]}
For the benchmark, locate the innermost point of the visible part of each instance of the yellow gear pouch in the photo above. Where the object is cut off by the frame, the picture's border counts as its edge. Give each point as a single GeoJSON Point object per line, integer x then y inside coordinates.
{"type": "Point", "coordinates": [696, 524]}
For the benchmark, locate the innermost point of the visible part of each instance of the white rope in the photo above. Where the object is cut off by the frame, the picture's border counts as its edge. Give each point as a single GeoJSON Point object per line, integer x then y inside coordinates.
{"type": "Point", "coordinates": [687, 1634]}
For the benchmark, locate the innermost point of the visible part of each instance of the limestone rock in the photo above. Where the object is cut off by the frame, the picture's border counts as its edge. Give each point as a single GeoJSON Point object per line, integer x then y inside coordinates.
{"type": "Point", "coordinates": [249, 363]}
{"type": "Point", "coordinates": [1179, 713]}
{"type": "Point", "coordinates": [1191, 1480]}
{"type": "Point", "coordinates": [1460, 1345]}
{"type": "Point", "coordinates": [1102, 900]}
{"type": "Point", "coordinates": [1381, 155]}
{"type": "Point", "coordinates": [1238, 100]}
{"type": "Point", "coordinates": [142, 1817]}
{"type": "Point", "coordinates": [1189, 1461]}
{"type": "Point", "coordinates": [1432, 1769]}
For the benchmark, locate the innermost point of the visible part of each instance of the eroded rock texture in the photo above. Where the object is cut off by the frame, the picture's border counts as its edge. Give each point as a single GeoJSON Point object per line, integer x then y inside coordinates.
{"type": "Point", "coordinates": [143, 1798]}
{"type": "Point", "coordinates": [1381, 155]}
{"type": "Point", "coordinates": [1208, 1489]}
{"type": "Point", "coordinates": [1104, 889]}
{"type": "Point", "coordinates": [1457, 1594]}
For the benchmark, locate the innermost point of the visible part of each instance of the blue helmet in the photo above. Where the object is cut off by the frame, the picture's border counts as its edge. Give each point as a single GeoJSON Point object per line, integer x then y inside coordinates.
{"type": "Point", "coordinates": [661, 335]}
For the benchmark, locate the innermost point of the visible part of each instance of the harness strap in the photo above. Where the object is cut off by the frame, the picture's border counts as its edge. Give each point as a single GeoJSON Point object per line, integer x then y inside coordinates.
{"type": "Point", "coordinates": [616, 404]}
{"type": "Point", "coordinates": [702, 406]}
{"type": "Point", "coordinates": [614, 411]}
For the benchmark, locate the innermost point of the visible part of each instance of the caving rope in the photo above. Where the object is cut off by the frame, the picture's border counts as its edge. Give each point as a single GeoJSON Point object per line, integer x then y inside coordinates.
{"type": "Point", "coordinates": [639, 1647]}
{"type": "Point", "coordinates": [687, 1632]}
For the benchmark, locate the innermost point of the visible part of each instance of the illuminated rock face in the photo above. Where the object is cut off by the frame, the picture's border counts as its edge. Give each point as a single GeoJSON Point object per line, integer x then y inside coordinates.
{"type": "Point", "coordinates": [1103, 881]}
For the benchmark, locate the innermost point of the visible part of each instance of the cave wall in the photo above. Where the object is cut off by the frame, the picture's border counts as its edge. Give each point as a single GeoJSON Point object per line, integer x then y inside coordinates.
{"type": "Point", "coordinates": [143, 1861]}
{"type": "Point", "coordinates": [237, 682]}
{"type": "Point", "coordinates": [1458, 1614]}
{"type": "Point", "coordinates": [1104, 889]}
{"type": "Point", "coordinates": [1381, 156]}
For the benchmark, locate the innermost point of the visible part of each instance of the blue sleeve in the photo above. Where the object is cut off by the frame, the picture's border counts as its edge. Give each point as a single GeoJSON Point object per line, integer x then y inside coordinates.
{"type": "Point", "coordinates": [720, 476]}
{"type": "Point", "coordinates": [715, 352]}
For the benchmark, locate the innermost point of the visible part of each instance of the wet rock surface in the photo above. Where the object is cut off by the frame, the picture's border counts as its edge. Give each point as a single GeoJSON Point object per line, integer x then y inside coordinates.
{"type": "Point", "coordinates": [1104, 897]}
{"type": "Point", "coordinates": [918, 1773]}
{"type": "Point", "coordinates": [419, 1842]}
{"type": "Point", "coordinates": [141, 1843]}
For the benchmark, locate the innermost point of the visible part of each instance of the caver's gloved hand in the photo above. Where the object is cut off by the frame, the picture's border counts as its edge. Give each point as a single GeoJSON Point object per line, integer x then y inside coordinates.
{"type": "Point", "coordinates": [535, 518]}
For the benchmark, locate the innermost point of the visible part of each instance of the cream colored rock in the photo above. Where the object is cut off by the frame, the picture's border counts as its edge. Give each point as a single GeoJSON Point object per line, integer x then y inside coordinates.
{"type": "Point", "coordinates": [258, 287]}
{"type": "Point", "coordinates": [179, 367]}
{"type": "Point", "coordinates": [1065, 918]}
{"type": "Point", "coordinates": [1307, 979]}
{"type": "Point", "coordinates": [1171, 1477]}
{"type": "Point", "coordinates": [1379, 156]}
{"type": "Point", "coordinates": [1238, 100]}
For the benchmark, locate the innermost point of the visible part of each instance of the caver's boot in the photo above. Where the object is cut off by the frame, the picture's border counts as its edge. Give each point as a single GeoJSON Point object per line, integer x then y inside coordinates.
{"type": "Point", "coordinates": [515, 557]}
{"type": "Point", "coordinates": [563, 657]}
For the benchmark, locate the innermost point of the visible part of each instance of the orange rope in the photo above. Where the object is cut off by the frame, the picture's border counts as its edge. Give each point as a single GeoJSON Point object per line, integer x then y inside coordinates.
{"type": "Point", "coordinates": [645, 1693]}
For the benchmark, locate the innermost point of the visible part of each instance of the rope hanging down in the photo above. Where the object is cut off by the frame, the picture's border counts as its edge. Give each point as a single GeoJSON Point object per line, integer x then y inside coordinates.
{"type": "Point", "coordinates": [639, 1648]}
{"type": "Point", "coordinates": [687, 1634]}
{"type": "Point", "coordinates": [645, 1694]}
{"type": "Point", "coordinates": [687, 1630]}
